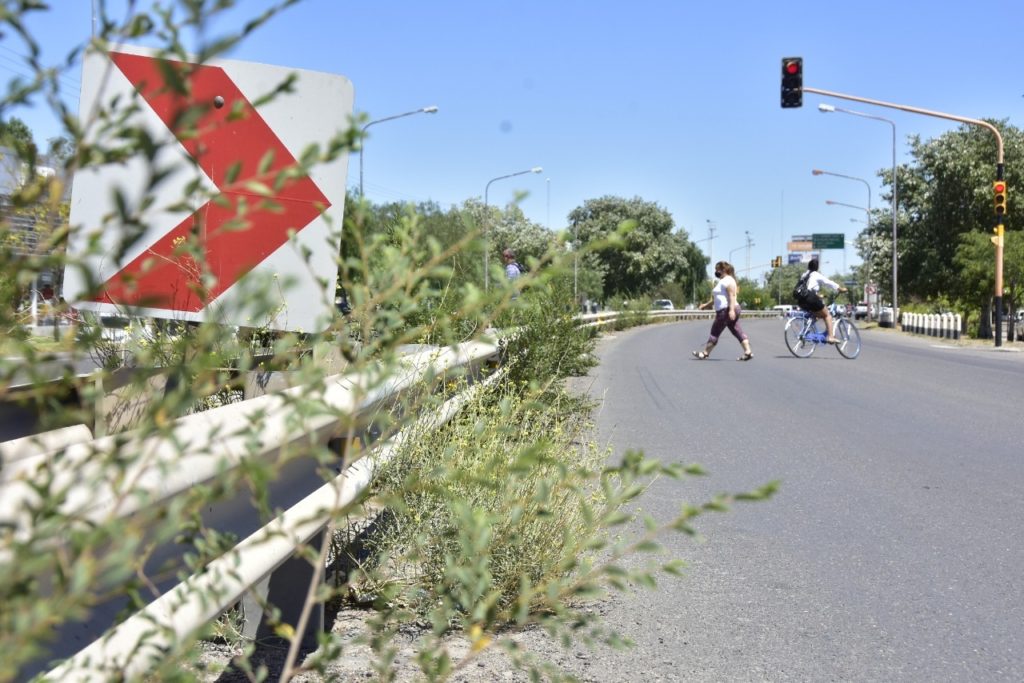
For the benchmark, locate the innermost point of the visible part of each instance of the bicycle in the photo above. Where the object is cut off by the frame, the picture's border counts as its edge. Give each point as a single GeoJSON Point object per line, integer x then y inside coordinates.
{"type": "Point", "coordinates": [805, 331]}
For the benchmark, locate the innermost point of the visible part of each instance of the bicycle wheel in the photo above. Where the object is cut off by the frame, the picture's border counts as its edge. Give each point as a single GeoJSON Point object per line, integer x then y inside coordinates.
{"type": "Point", "coordinates": [794, 333]}
{"type": "Point", "coordinates": [848, 337]}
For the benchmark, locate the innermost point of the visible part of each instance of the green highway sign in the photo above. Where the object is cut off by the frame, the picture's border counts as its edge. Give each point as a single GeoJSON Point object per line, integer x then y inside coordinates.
{"type": "Point", "coordinates": [827, 240]}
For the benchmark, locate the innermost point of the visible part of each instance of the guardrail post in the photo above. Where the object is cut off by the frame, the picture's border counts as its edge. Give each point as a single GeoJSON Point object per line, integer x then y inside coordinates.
{"type": "Point", "coordinates": [286, 589]}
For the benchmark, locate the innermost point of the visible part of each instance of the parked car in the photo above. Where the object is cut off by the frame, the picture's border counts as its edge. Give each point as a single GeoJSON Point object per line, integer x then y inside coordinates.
{"type": "Point", "coordinates": [662, 305]}
{"type": "Point", "coordinates": [860, 311]}
{"type": "Point", "coordinates": [783, 309]}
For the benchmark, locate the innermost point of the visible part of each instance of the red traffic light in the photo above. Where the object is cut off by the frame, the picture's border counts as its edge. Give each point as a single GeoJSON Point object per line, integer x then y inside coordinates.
{"type": "Point", "coordinates": [1000, 197]}
{"type": "Point", "coordinates": [792, 82]}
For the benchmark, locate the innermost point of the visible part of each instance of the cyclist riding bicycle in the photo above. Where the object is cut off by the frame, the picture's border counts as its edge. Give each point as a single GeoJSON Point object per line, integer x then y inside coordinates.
{"type": "Point", "coordinates": [812, 302]}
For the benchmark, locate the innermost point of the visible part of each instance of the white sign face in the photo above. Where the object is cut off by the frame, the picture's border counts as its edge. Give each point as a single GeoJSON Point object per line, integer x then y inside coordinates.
{"type": "Point", "coordinates": [267, 239]}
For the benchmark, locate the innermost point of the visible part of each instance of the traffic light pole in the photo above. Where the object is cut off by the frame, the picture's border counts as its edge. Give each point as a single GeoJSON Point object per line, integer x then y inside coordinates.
{"type": "Point", "coordinates": [999, 176]}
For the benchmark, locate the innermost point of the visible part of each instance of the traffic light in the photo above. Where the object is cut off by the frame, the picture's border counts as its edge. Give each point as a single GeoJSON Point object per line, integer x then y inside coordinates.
{"type": "Point", "coordinates": [792, 82]}
{"type": "Point", "coordinates": [999, 187]}
{"type": "Point", "coordinates": [777, 262]}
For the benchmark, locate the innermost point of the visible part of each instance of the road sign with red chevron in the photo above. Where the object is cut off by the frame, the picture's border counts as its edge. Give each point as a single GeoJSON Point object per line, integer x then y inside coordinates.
{"type": "Point", "coordinates": [235, 228]}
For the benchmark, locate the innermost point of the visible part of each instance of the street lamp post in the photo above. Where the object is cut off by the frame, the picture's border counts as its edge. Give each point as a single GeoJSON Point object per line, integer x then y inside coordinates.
{"type": "Point", "coordinates": [867, 220]}
{"type": "Point", "coordinates": [817, 171]}
{"type": "Point", "coordinates": [709, 238]}
{"type": "Point", "coordinates": [487, 231]}
{"type": "Point", "coordinates": [826, 108]}
{"type": "Point", "coordinates": [747, 245]}
{"type": "Point", "coordinates": [425, 110]}
{"type": "Point", "coordinates": [734, 251]}
{"type": "Point", "coordinates": [750, 243]}
{"type": "Point", "coordinates": [712, 227]}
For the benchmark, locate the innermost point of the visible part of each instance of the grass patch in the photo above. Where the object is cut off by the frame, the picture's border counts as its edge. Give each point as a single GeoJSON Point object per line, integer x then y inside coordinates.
{"type": "Point", "coordinates": [503, 496]}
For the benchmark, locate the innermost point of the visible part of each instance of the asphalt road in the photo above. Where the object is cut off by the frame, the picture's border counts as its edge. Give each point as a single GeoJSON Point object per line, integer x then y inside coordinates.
{"type": "Point", "coordinates": [894, 549]}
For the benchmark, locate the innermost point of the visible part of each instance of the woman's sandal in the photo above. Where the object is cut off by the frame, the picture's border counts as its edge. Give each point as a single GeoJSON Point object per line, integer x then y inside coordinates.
{"type": "Point", "coordinates": [699, 355]}
{"type": "Point", "coordinates": [746, 356]}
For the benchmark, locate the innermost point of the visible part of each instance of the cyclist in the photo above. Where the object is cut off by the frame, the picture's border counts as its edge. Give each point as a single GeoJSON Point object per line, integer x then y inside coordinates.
{"type": "Point", "coordinates": [812, 302]}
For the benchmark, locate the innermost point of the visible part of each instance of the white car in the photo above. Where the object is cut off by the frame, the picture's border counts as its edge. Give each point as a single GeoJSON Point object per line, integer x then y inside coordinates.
{"type": "Point", "coordinates": [662, 305]}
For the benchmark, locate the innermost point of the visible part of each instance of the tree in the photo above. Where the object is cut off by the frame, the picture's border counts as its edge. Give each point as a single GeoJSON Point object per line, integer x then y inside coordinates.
{"type": "Point", "coordinates": [634, 243]}
{"type": "Point", "coordinates": [16, 135]}
{"type": "Point", "coordinates": [511, 229]}
{"type": "Point", "coordinates": [974, 260]}
{"type": "Point", "coordinates": [944, 192]}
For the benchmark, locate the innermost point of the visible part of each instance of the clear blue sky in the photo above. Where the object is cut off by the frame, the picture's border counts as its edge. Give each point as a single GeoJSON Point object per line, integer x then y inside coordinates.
{"type": "Point", "coordinates": [676, 101]}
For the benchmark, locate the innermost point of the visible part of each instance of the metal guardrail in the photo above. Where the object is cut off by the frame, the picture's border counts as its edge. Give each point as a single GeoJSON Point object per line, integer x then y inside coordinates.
{"type": "Point", "coordinates": [609, 318]}
{"type": "Point", "coordinates": [197, 450]}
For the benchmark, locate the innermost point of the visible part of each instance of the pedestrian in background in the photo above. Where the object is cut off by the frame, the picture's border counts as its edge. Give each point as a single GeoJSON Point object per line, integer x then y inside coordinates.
{"type": "Point", "coordinates": [512, 268]}
{"type": "Point", "coordinates": [727, 312]}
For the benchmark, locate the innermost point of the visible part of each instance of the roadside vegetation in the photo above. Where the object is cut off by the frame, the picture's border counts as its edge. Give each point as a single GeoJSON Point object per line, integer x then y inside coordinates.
{"type": "Point", "coordinates": [507, 516]}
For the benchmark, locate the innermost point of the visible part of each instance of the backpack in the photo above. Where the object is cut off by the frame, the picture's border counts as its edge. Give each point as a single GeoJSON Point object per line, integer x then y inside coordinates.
{"type": "Point", "coordinates": [801, 293]}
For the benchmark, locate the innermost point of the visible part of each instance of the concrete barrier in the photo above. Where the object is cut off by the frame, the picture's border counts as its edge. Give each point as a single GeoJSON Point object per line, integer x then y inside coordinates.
{"type": "Point", "coordinates": [941, 325]}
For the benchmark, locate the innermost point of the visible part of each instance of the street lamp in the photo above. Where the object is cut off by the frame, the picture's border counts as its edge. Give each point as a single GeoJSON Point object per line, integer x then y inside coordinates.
{"type": "Point", "coordinates": [867, 211]}
{"type": "Point", "coordinates": [712, 226]}
{"type": "Point", "coordinates": [867, 221]}
{"type": "Point", "coordinates": [425, 110]}
{"type": "Point", "coordinates": [487, 232]}
{"type": "Point", "coordinates": [817, 171]}
{"type": "Point", "coordinates": [749, 243]}
{"type": "Point", "coordinates": [827, 108]}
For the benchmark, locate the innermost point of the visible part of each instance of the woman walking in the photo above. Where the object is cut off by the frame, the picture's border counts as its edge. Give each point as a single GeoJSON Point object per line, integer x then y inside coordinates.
{"type": "Point", "coordinates": [727, 312]}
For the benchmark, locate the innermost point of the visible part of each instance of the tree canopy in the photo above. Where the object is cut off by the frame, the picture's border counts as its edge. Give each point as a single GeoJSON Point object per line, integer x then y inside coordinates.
{"type": "Point", "coordinates": [634, 245]}
{"type": "Point", "coordinates": [943, 193]}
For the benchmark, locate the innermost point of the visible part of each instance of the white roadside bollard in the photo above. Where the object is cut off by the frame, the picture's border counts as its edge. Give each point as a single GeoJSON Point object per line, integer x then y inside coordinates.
{"type": "Point", "coordinates": [956, 326]}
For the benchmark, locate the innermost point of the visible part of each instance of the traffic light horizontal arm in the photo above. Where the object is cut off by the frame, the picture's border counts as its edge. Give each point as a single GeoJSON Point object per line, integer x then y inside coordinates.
{"type": "Point", "coordinates": [916, 110]}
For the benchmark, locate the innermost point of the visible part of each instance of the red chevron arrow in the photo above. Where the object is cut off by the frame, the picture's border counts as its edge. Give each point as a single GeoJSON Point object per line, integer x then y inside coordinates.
{"type": "Point", "coordinates": [241, 226]}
